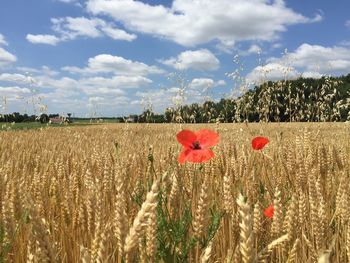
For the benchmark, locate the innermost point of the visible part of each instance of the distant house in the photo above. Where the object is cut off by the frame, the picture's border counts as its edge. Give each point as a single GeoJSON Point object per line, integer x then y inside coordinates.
{"type": "Point", "coordinates": [56, 120]}
{"type": "Point", "coordinates": [61, 119]}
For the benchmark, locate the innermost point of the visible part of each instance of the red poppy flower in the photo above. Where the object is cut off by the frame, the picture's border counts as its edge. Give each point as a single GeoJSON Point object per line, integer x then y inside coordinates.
{"type": "Point", "coordinates": [196, 145]}
{"type": "Point", "coordinates": [269, 211]}
{"type": "Point", "coordinates": [259, 142]}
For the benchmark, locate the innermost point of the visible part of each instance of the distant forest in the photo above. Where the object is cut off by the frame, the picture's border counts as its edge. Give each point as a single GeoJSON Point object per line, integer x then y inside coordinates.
{"type": "Point", "coordinates": [300, 100]}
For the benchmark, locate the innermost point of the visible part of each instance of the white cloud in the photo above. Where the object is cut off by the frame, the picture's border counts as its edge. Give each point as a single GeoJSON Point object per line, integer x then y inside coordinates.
{"type": "Point", "coordinates": [104, 91]}
{"type": "Point", "coordinates": [118, 34]}
{"type": "Point", "coordinates": [316, 58]}
{"type": "Point", "coordinates": [120, 82]}
{"type": "Point", "coordinates": [64, 91]}
{"type": "Point", "coordinates": [105, 63]}
{"type": "Point", "coordinates": [70, 28]}
{"type": "Point", "coordinates": [196, 22]}
{"type": "Point", "coordinates": [2, 40]}
{"type": "Point", "coordinates": [6, 58]}
{"type": "Point", "coordinates": [200, 88]}
{"type": "Point", "coordinates": [44, 70]}
{"type": "Point", "coordinates": [14, 78]}
{"type": "Point", "coordinates": [221, 82]}
{"type": "Point", "coordinates": [307, 61]}
{"type": "Point", "coordinates": [201, 59]}
{"type": "Point", "coordinates": [276, 45]}
{"type": "Point", "coordinates": [117, 102]}
{"type": "Point", "coordinates": [64, 83]}
{"type": "Point", "coordinates": [254, 49]}
{"type": "Point", "coordinates": [202, 83]}
{"type": "Point", "coordinates": [94, 84]}
{"type": "Point", "coordinates": [347, 23]}
{"type": "Point", "coordinates": [75, 2]}
{"type": "Point", "coordinates": [13, 91]}
{"type": "Point", "coordinates": [314, 75]}
{"type": "Point", "coordinates": [271, 71]}
{"type": "Point", "coordinates": [43, 39]}
{"type": "Point", "coordinates": [226, 46]}
{"type": "Point", "coordinates": [95, 99]}
{"type": "Point", "coordinates": [106, 96]}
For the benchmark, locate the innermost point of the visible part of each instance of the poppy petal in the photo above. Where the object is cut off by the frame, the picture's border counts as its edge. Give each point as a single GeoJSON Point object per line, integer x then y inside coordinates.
{"type": "Point", "coordinates": [207, 138]}
{"type": "Point", "coordinates": [186, 138]}
{"type": "Point", "coordinates": [259, 142]}
{"type": "Point", "coordinates": [269, 211]}
{"type": "Point", "coordinates": [183, 155]}
{"type": "Point", "coordinates": [200, 156]}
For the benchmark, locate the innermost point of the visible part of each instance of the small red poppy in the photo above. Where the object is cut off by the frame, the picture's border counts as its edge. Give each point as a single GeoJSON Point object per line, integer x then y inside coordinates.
{"type": "Point", "coordinates": [269, 211]}
{"type": "Point", "coordinates": [196, 145]}
{"type": "Point", "coordinates": [259, 142]}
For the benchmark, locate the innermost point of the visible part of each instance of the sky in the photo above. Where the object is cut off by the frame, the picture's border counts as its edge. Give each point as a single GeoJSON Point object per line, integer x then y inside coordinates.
{"type": "Point", "coordinates": [119, 57]}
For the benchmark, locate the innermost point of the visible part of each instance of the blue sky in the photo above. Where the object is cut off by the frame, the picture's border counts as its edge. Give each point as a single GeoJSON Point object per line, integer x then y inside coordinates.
{"type": "Point", "coordinates": [116, 57]}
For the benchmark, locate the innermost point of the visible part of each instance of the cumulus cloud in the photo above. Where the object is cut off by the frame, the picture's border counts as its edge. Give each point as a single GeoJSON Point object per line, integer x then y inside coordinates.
{"type": "Point", "coordinates": [316, 58]}
{"type": "Point", "coordinates": [118, 34]}
{"type": "Point", "coordinates": [102, 86]}
{"type": "Point", "coordinates": [6, 58]}
{"type": "Point", "coordinates": [119, 103]}
{"type": "Point", "coordinates": [11, 93]}
{"type": "Point", "coordinates": [120, 82]}
{"type": "Point", "coordinates": [102, 91]}
{"type": "Point", "coordinates": [201, 59]}
{"type": "Point", "coordinates": [254, 49]}
{"type": "Point", "coordinates": [43, 39]}
{"type": "Point", "coordinates": [221, 82]}
{"type": "Point", "coordinates": [196, 22]}
{"type": "Point", "coordinates": [44, 70]}
{"type": "Point", "coordinates": [2, 40]}
{"type": "Point", "coordinates": [313, 75]}
{"type": "Point", "coordinates": [271, 71]}
{"type": "Point", "coordinates": [276, 45]}
{"type": "Point", "coordinates": [70, 28]}
{"type": "Point", "coordinates": [307, 61]}
{"type": "Point", "coordinates": [105, 63]}
{"type": "Point", "coordinates": [14, 78]}
{"type": "Point", "coordinates": [202, 83]}
{"type": "Point", "coordinates": [14, 90]}
{"type": "Point", "coordinates": [62, 92]}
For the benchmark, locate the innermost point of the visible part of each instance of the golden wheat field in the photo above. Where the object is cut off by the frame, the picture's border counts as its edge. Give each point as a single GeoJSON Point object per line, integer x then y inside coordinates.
{"type": "Point", "coordinates": [116, 193]}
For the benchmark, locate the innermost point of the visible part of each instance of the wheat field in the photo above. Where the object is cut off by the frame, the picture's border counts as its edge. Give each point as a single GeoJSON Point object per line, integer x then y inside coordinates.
{"type": "Point", "coordinates": [116, 193]}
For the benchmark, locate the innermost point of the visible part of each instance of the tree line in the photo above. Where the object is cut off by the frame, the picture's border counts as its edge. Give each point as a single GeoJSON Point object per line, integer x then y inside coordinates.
{"type": "Point", "coordinates": [300, 100]}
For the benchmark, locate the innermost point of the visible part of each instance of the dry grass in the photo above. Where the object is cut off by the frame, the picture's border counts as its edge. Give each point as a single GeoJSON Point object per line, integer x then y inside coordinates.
{"type": "Point", "coordinates": [115, 193]}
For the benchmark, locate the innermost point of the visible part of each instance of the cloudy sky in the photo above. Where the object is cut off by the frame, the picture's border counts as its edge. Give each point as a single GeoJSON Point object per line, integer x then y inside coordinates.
{"type": "Point", "coordinates": [114, 57]}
